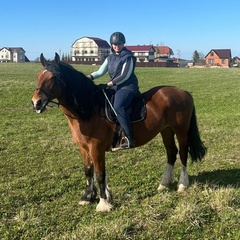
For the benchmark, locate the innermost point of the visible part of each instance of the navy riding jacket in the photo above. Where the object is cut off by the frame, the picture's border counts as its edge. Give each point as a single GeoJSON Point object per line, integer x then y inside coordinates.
{"type": "Point", "coordinates": [120, 67]}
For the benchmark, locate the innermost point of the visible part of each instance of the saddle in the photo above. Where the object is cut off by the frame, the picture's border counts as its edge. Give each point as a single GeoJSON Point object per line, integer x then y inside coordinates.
{"type": "Point", "coordinates": [136, 110]}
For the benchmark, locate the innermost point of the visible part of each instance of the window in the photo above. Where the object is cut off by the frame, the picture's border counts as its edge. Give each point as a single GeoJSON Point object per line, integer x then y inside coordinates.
{"type": "Point", "coordinates": [211, 61]}
{"type": "Point", "coordinates": [223, 61]}
{"type": "Point", "coordinates": [212, 54]}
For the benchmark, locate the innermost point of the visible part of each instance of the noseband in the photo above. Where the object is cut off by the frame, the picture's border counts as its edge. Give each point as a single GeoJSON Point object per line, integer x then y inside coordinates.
{"type": "Point", "coordinates": [49, 95]}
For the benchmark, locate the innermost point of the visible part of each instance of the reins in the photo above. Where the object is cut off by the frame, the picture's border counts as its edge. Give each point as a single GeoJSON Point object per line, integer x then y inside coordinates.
{"type": "Point", "coordinates": [110, 104]}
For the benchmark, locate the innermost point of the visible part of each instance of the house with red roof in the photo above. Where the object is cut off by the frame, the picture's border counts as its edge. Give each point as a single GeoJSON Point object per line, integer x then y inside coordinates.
{"type": "Point", "coordinates": [163, 52]}
{"type": "Point", "coordinates": [218, 57]}
{"type": "Point", "coordinates": [90, 49]}
{"type": "Point", "coordinates": [143, 53]}
{"type": "Point", "coordinates": [13, 54]}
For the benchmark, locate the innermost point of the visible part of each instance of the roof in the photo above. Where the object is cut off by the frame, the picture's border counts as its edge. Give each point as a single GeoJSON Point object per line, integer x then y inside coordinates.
{"type": "Point", "coordinates": [100, 42]}
{"type": "Point", "coordinates": [164, 50]}
{"type": "Point", "coordinates": [26, 59]}
{"type": "Point", "coordinates": [13, 49]}
{"type": "Point", "coordinates": [222, 53]}
{"type": "Point", "coordinates": [140, 48]}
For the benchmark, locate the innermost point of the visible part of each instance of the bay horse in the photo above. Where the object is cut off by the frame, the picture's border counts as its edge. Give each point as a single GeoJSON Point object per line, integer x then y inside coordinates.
{"type": "Point", "coordinates": [170, 111]}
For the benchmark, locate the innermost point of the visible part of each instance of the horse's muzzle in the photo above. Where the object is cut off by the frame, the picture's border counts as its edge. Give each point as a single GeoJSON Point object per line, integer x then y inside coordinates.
{"type": "Point", "coordinates": [39, 106]}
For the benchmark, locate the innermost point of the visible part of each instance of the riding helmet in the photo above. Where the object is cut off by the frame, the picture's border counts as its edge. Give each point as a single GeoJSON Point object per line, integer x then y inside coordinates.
{"type": "Point", "coordinates": [117, 38]}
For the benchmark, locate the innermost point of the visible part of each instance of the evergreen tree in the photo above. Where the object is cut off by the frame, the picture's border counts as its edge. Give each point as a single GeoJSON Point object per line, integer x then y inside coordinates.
{"type": "Point", "coordinates": [196, 56]}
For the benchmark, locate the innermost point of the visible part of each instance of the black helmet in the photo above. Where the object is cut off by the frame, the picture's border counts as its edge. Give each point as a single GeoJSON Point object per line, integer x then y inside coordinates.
{"type": "Point", "coordinates": [117, 38]}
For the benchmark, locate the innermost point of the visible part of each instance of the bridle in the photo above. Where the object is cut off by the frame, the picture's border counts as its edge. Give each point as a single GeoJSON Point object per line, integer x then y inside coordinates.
{"type": "Point", "coordinates": [48, 95]}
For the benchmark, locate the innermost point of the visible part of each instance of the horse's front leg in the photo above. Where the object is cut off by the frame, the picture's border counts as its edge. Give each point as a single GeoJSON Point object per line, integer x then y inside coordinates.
{"type": "Point", "coordinates": [104, 204]}
{"type": "Point", "coordinates": [90, 193]}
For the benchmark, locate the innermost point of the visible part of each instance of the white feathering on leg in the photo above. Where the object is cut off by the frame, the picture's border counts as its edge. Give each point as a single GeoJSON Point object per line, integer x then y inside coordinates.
{"type": "Point", "coordinates": [167, 177]}
{"type": "Point", "coordinates": [183, 180]}
{"type": "Point", "coordinates": [103, 206]}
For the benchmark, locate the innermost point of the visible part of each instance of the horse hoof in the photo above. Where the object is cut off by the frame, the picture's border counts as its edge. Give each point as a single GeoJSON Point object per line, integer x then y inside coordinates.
{"type": "Point", "coordinates": [103, 206]}
{"type": "Point", "coordinates": [161, 187]}
{"type": "Point", "coordinates": [181, 188]}
{"type": "Point", "coordinates": [84, 203]}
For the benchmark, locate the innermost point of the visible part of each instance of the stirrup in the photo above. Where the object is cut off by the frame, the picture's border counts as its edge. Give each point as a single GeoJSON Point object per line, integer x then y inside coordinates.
{"type": "Point", "coordinates": [125, 143]}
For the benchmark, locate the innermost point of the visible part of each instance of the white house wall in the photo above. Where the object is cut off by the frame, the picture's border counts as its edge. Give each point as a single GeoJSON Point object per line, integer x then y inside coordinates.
{"type": "Point", "coordinates": [86, 49]}
{"type": "Point", "coordinates": [5, 55]}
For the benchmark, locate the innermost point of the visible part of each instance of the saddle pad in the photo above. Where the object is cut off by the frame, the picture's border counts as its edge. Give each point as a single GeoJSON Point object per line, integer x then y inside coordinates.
{"type": "Point", "coordinates": [136, 111]}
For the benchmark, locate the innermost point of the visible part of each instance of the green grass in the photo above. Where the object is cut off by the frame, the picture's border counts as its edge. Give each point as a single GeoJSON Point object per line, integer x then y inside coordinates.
{"type": "Point", "coordinates": [42, 178]}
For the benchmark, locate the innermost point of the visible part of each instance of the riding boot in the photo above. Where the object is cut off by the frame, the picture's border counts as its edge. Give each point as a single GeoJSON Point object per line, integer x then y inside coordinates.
{"type": "Point", "coordinates": [127, 142]}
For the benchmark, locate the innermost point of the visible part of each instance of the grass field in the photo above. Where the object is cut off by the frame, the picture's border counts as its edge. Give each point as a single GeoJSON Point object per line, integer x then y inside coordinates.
{"type": "Point", "coordinates": [42, 178]}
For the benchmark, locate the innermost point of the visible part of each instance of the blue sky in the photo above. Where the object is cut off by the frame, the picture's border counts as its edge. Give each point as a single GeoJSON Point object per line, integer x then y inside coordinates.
{"type": "Point", "coordinates": [185, 26]}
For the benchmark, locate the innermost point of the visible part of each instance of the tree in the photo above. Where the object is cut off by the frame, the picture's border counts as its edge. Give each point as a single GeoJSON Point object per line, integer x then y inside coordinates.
{"type": "Point", "coordinates": [66, 57]}
{"type": "Point", "coordinates": [196, 56]}
{"type": "Point", "coordinates": [201, 56]}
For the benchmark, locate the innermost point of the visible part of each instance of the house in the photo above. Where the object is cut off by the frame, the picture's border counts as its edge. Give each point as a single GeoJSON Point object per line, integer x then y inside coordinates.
{"type": "Point", "coordinates": [93, 50]}
{"type": "Point", "coordinates": [236, 60]}
{"type": "Point", "coordinates": [219, 57]}
{"type": "Point", "coordinates": [143, 53]}
{"type": "Point", "coordinates": [90, 49]}
{"type": "Point", "coordinates": [163, 52]}
{"type": "Point", "coordinates": [12, 54]}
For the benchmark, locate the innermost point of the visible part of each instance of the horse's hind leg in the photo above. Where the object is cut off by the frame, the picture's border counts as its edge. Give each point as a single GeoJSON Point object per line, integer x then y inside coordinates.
{"type": "Point", "coordinates": [183, 182]}
{"type": "Point", "coordinates": [90, 193]}
{"type": "Point", "coordinates": [171, 149]}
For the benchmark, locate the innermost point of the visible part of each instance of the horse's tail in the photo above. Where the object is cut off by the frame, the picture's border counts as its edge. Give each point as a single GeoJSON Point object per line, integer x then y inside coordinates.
{"type": "Point", "coordinates": [196, 147]}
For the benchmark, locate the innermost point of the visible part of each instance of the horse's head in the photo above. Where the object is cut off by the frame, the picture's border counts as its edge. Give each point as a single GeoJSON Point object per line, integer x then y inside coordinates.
{"type": "Point", "coordinates": [48, 86]}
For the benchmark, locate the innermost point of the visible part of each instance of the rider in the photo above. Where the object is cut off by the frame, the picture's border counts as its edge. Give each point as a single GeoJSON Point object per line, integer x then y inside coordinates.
{"type": "Point", "coordinates": [120, 66]}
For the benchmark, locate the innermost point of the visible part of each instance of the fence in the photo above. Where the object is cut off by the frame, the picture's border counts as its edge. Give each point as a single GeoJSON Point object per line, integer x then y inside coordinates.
{"type": "Point", "coordinates": [138, 64]}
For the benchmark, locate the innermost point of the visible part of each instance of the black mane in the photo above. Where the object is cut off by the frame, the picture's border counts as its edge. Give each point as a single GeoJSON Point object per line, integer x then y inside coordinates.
{"type": "Point", "coordinates": [80, 92]}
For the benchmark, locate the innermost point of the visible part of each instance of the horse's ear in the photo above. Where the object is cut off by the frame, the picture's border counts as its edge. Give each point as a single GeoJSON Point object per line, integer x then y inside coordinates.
{"type": "Point", "coordinates": [43, 60]}
{"type": "Point", "coordinates": [57, 58]}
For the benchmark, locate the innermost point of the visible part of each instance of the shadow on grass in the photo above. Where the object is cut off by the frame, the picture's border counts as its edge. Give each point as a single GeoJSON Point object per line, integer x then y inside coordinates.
{"type": "Point", "coordinates": [222, 178]}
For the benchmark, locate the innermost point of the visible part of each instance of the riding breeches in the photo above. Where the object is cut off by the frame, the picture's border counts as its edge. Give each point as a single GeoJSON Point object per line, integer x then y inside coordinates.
{"type": "Point", "coordinates": [122, 101]}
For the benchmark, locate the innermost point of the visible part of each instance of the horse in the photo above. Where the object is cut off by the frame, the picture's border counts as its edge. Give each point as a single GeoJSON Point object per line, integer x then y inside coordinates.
{"type": "Point", "coordinates": [170, 111]}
